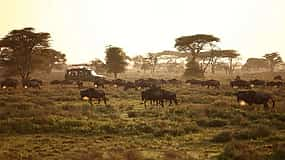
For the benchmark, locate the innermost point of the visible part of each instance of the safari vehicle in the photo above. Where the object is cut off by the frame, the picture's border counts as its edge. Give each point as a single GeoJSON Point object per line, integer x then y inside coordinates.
{"type": "Point", "coordinates": [81, 74]}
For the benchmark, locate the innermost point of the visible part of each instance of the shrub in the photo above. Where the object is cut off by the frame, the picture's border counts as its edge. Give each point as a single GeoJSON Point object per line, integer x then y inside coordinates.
{"type": "Point", "coordinates": [240, 151]}
{"type": "Point", "coordinates": [259, 131]}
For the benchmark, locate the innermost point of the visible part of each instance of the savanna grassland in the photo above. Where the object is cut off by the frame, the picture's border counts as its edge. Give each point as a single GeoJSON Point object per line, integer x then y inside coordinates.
{"type": "Point", "coordinates": [54, 124]}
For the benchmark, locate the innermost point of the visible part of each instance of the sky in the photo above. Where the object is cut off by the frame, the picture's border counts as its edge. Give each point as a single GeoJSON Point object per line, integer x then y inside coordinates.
{"type": "Point", "coordinates": [83, 28]}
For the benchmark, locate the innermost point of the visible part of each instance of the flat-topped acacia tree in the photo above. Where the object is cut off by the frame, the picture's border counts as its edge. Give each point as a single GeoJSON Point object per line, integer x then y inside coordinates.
{"type": "Point", "coordinates": [194, 45]}
{"type": "Point", "coordinates": [273, 59]}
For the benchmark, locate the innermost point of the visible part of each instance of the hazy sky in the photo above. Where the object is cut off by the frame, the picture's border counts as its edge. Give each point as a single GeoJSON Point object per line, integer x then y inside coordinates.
{"type": "Point", "coordinates": [82, 28]}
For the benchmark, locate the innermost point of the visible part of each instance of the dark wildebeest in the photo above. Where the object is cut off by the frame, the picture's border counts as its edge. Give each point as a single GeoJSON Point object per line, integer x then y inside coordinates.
{"type": "Point", "coordinates": [257, 82]}
{"type": "Point", "coordinates": [253, 97]}
{"type": "Point", "coordinates": [194, 82]}
{"type": "Point", "coordinates": [99, 82]}
{"type": "Point", "coordinates": [240, 84]}
{"type": "Point", "coordinates": [9, 83]}
{"type": "Point", "coordinates": [33, 83]}
{"type": "Point", "coordinates": [174, 81]}
{"type": "Point", "coordinates": [129, 85]}
{"type": "Point", "coordinates": [118, 82]}
{"type": "Point", "coordinates": [170, 96]}
{"type": "Point", "coordinates": [211, 83]}
{"type": "Point", "coordinates": [93, 93]}
{"type": "Point", "coordinates": [153, 94]}
{"type": "Point", "coordinates": [158, 95]}
{"type": "Point", "coordinates": [278, 78]}
{"type": "Point", "coordinates": [275, 84]}
{"type": "Point", "coordinates": [55, 82]}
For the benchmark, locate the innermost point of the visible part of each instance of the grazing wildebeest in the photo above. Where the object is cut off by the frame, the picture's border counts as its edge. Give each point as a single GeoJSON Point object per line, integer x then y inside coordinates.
{"type": "Point", "coordinates": [275, 84]}
{"type": "Point", "coordinates": [240, 84]}
{"type": "Point", "coordinates": [118, 82]}
{"type": "Point", "coordinates": [278, 78]}
{"type": "Point", "coordinates": [33, 83]}
{"type": "Point", "coordinates": [38, 80]}
{"type": "Point", "coordinates": [99, 82]}
{"type": "Point", "coordinates": [55, 82]}
{"type": "Point", "coordinates": [129, 85]}
{"type": "Point", "coordinates": [253, 97]}
{"type": "Point", "coordinates": [170, 96]}
{"type": "Point", "coordinates": [257, 82]}
{"type": "Point", "coordinates": [211, 83]}
{"type": "Point", "coordinates": [9, 83]}
{"type": "Point", "coordinates": [158, 95]}
{"type": "Point", "coordinates": [93, 93]}
{"type": "Point", "coordinates": [174, 81]}
{"type": "Point", "coordinates": [153, 94]}
{"type": "Point", "coordinates": [194, 82]}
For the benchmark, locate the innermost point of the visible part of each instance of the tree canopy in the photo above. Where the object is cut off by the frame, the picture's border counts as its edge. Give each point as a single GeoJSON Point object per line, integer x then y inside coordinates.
{"type": "Point", "coordinates": [193, 45]}
{"type": "Point", "coordinates": [273, 59]}
{"type": "Point", "coordinates": [115, 60]}
{"type": "Point", "coordinates": [24, 50]}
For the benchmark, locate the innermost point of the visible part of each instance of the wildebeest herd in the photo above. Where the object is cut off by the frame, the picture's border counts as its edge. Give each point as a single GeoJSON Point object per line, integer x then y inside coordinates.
{"type": "Point", "coordinates": [153, 92]}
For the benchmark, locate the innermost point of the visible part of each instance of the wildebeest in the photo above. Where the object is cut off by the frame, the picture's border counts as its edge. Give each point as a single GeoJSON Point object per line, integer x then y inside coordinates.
{"type": "Point", "coordinates": [253, 97]}
{"type": "Point", "coordinates": [275, 84]}
{"type": "Point", "coordinates": [158, 95]}
{"type": "Point", "coordinates": [93, 93]}
{"type": "Point", "coordinates": [170, 96]}
{"type": "Point", "coordinates": [100, 82]}
{"type": "Point", "coordinates": [55, 82]}
{"type": "Point", "coordinates": [62, 82]}
{"type": "Point", "coordinates": [174, 81]}
{"type": "Point", "coordinates": [194, 82]}
{"type": "Point", "coordinates": [129, 85]}
{"type": "Point", "coordinates": [153, 94]}
{"type": "Point", "coordinates": [33, 83]}
{"type": "Point", "coordinates": [240, 84]}
{"type": "Point", "coordinates": [211, 83]}
{"type": "Point", "coordinates": [118, 82]}
{"type": "Point", "coordinates": [278, 78]}
{"type": "Point", "coordinates": [9, 82]}
{"type": "Point", "coordinates": [257, 82]}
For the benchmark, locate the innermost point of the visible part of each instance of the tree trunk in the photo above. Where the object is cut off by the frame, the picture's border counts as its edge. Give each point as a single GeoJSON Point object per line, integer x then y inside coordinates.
{"type": "Point", "coordinates": [271, 67]}
{"type": "Point", "coordinates": [115, 75]}
{"type": "Point", "coordinates": [231, 67]}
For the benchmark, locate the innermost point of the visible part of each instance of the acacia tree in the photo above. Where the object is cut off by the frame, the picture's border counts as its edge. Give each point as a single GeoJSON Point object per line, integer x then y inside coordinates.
{"type": "Point", "coordinates": [194, 45]}
{"type": "Point", "coordinates": [115, 60]}
{"type": "Point", "coordinates": [21, 45]}
{"type": "Point", "coordinates": [231, 55]}
{"type": "Point", "coordinates": [273, 59]}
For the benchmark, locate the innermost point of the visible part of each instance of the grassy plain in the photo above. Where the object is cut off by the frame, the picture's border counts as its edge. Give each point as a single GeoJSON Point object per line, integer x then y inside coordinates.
{"type": "Point", "coordinates": [54, 124]}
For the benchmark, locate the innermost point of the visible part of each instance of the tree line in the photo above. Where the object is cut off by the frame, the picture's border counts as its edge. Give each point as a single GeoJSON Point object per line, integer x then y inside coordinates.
{"type": "Point", "coordinates": [25, 51]}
